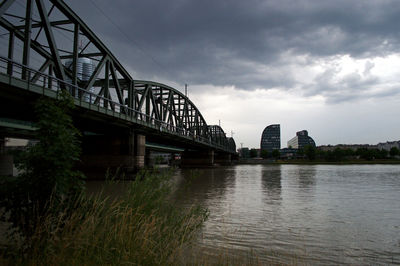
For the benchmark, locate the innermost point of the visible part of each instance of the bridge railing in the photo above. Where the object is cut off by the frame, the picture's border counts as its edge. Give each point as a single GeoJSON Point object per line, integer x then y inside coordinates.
{"type": "Point", "coordinates": [47, 82]}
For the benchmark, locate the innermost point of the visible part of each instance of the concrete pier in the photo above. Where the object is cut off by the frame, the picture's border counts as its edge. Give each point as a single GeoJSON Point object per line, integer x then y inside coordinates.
{"type": "Point", "coordinates": [197, 158]}
{"type": "Point", "coordinates": [125, 152]}
{"type": "Point", "coordinates": [223, 158]}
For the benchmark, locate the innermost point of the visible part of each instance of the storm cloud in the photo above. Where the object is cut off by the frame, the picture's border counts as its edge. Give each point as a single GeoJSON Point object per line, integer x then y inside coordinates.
{"type": "Point", "coordinates": [246, 44]}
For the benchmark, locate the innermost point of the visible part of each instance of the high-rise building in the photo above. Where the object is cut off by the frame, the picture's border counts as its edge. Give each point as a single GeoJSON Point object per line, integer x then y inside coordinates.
{"type": "Point", "coordinates": [271, 138]}
{"type": "Point", "coordinates": [302, 139]}
{"type": "Point", "coordinates": [84, 69]}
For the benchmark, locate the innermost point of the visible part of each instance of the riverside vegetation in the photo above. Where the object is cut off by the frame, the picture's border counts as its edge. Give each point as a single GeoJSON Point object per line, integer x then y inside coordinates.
{"type": "Point", "coordinates": [337, 155]}
{"type": "Point", "coordinates": [54, 222]}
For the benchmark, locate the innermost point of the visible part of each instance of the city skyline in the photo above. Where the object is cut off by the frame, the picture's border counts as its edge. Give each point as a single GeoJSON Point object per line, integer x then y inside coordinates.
{"type": "Point", "coordinates": [328, 67]}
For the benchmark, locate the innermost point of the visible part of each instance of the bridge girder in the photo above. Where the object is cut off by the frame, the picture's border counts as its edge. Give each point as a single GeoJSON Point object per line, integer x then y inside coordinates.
{"type": "Point", "coordinates": [44, 25]}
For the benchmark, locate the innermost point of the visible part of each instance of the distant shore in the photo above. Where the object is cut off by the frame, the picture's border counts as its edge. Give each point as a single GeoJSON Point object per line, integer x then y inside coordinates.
{"type": "Point", "coordinates": [269, 161]}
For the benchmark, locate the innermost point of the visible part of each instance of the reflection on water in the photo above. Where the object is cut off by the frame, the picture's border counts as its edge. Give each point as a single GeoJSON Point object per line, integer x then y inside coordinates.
{"type": "Point", "coordinates": [271, 184]}
{"type": "Point", "coordinates": [320, 214]}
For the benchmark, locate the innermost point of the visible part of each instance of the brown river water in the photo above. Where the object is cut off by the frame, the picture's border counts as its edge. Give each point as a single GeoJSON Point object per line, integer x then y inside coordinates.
{"type": "Point", "coordinates": [301, 214]}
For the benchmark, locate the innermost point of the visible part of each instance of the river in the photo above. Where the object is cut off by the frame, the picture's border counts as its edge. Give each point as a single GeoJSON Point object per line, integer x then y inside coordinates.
{"type": "Point", "coordinates": [312, 214]}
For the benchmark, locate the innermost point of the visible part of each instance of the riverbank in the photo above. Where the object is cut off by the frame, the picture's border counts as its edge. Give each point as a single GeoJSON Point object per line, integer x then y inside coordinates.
{"type": "Point", "coordinates": [141, 226]}
{"type": "Point", "coordinates": [315, 162]}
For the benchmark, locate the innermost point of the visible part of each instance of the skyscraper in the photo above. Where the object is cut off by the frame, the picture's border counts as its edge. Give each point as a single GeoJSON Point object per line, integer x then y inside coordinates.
{"type": "Point", "coordinates": [271, 138]}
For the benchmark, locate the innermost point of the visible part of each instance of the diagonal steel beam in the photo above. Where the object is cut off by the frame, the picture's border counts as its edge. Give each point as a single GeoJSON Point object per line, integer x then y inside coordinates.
{"type": "Point", "coordinates": [27, 39]}
{"type": "Point", "coordinates": [44, 66]}
{"type": "Point", "coordinates": [96, 73]}
{"type": "Point", "coordinates": [144, 96]}
{"type": "Point", "coordinates": [50, 39]}
{"type": "Point", "coordinates": [167, 105]}
{"type": "Point", "coordinates": [20, 35]}
{"type": "Point", "coordinates": [5, 5]}
{"type": "Point", "coordinates": [155, 107]}
{"type": "Point", "coordinates": [116, 84]}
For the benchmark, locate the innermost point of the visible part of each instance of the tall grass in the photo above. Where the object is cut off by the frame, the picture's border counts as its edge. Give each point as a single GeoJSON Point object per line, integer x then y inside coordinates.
{"type": "Point", "coordinates": [141, 227]}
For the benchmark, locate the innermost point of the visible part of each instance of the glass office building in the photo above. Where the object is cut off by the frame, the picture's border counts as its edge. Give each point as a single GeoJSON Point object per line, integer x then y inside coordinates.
{"type": "Point", "coordinates": [302, 139]}
{"type": "Point", "coordinates": [271, 138]}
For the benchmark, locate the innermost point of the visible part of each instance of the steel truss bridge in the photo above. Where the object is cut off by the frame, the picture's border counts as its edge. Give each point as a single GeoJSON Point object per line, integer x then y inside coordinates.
{"type": "Point", "coordinates": [43, 42]}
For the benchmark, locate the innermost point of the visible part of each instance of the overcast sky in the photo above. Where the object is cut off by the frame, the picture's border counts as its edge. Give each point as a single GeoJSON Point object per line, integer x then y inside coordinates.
{"type": "Point", "coordinates": [330, 67]}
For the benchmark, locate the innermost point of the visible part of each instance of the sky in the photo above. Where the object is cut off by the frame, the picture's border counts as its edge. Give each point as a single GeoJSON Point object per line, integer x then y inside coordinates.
{"type": "Point", "coordinates": [329, 67]}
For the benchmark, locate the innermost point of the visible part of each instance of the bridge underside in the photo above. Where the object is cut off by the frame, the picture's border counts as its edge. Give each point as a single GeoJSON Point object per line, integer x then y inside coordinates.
{"type": "Point", "coordinates": [116, 113]}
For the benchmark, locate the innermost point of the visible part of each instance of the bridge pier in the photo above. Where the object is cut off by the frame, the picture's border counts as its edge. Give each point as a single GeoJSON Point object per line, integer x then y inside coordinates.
{"type": "Point", "coordinates": [223, 158]}
{"type": "Point", "coordinates": [6, 161]}
{"type": "Point", "coordinates": [139, 150]}
{"type": "Point", "coordinates": [197, 158]}
{"type": "Point", "coordinates": [124, 151]}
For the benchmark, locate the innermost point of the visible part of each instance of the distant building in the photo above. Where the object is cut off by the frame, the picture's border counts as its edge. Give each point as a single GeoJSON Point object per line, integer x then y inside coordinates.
{"type": "Point", "coordinates": [244, 152]}
{"type": "Point", "coordinates": [302, 139]}
{"type": "Point", "coordinates": [353, 147]}
{"type": "Point", "coordinates": [271, 138]}
{"type": "Point", "coordinates": [388, 145]}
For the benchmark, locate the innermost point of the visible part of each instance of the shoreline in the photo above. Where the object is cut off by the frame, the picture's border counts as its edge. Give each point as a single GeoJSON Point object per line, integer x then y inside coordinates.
{"type": "Point", "coordinates": [300, 162]}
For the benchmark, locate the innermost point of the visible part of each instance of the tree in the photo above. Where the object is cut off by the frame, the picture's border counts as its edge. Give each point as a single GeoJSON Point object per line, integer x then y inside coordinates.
{"type": "Point", "coordinates": [264, 154]}
{"type": "Point", "coordinates": [300, 152]}
{"type": "Point", "coordinates": [310, 152]}
{"type": "Point", "coordinates": [366, 154]}
{"type": "Point", "coordinates": [276, 154]}
{"type": "Point", "coordinates": [382, 154]}
{"type": "Point", "coordinates": [338, 154]}
{"type": "Point", "coordinates": [394, 151]}
{"type": "Point", "coordinates": [47, 167]}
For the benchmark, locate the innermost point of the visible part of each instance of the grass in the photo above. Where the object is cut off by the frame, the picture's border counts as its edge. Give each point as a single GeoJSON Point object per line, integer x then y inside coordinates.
{"type": "Point", "coordinates": [141, 227]}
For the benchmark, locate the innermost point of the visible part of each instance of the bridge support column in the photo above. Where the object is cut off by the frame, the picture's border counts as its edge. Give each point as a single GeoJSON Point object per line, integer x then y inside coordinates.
{"type": "Point", "coordinates": [140, 151]}
{"type": "Point", "coordinates": [124, 152]}
{"type": "Point", "coordinates": [223, 158]}
{"type": "Point", "coordinates": [6, 161]}
{"type": "Point", "coordinates": [197, 158]}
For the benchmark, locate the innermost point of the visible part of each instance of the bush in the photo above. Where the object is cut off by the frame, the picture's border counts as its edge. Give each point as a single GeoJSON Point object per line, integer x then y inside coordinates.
{"type": "Point", "coordinates": [394, 151]}
{"type": "Point", "coordinates": [276, 154]}
{"type": "Point", "coordinates": [141, 227]}
{"type": "Point", "coordinates": [264, 154]}
{"type": "Point", "coordinates": [310, 152]}
{"type": "Point", "coordinates": [47, 168]}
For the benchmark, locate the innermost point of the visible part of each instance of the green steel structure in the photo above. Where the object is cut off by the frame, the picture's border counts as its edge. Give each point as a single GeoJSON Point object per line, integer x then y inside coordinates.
{"type": "Point", "coordinates": [41, 28]}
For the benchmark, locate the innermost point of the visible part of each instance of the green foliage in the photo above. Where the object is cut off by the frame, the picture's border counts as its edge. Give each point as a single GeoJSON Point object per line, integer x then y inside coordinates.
{"type": "Point", "coordinates": [310, 152]}
{"type": "Point", "coordinates": [142, 226]}
{"type": "Point", "coordinates": [47, 168]}
{"type": "Point", "coordinates": [371, 154]}
{"type": "Point", "coordinates": [337, 155]}
{"type": "Point", "coordinates": [276, 154]}
{"type": "Point", "coordinates": [394, 151]}
{"type": "Point", "coordinates": [264, 154]}
{"type": "Point", "coordinates": [253, 153]}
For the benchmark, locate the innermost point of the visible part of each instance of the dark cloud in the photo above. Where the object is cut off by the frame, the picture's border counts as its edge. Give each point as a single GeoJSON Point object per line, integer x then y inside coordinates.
{"type": "Point", "coordinates": [247, 44]}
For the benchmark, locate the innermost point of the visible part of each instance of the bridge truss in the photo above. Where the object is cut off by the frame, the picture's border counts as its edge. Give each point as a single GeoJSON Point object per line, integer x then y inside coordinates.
{"type": "Point", "coordinates": [46, 43]}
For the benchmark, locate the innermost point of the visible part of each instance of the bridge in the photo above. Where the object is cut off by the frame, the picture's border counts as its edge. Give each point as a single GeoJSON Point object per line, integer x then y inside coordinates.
{"type": "Point", "coordinates": [47, 49]}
